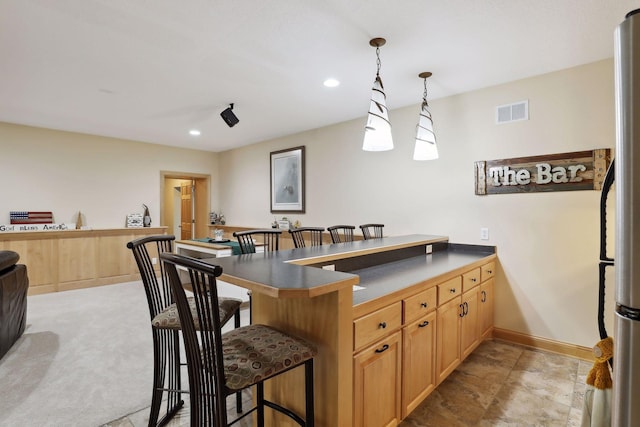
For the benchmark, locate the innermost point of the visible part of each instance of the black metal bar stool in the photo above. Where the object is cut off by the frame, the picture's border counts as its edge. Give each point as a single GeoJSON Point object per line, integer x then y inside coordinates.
{"type": "Point", "coordinates": [165, 326]}
{"type": "Point", "coordinates": [222, 364]}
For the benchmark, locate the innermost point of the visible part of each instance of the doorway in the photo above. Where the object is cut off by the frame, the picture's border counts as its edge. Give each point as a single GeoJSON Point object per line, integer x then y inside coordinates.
{"type": "Point", "coordinates": [185, 204]}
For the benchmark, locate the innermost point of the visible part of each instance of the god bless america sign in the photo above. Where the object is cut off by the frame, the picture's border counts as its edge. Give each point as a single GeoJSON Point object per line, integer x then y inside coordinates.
{"type": "Point", "coordinates": [582, 170]}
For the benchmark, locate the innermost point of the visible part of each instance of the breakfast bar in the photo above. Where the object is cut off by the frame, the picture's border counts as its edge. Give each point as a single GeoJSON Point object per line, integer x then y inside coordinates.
{"type": "Point", "coordinates": [357, 301]}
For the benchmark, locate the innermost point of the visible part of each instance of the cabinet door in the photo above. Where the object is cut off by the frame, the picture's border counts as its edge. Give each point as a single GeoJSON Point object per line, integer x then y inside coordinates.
{"type": "Point", "coordinates": [419, 367]}
{"type": "Point", "coordinates": [376, 384]}
{"type": "Point", "coordinates": [469, 322]}
{"type": "Point", "coordinates": [448, 338]}
{"type": "Point", "coordinates": [486, 303]}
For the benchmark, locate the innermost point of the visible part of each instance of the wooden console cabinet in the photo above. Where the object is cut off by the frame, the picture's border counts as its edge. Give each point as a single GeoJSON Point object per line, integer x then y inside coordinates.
{"type": "Point", "coordinates": [74, 259]}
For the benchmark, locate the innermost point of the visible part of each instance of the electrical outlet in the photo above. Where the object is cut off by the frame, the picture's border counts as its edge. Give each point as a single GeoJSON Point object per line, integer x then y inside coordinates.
{"type": "Point", "coordinates": [429, 249]}
{"type": "Point", "coordinates": [331, 267]}
{"type": "Point", "coordinates": [154, 260]}
{"type": "Point", "coordinates": [484, 233]}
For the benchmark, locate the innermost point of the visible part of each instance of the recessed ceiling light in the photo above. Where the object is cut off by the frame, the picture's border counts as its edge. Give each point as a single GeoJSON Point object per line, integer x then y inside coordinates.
{"type": "Point", "coordinates": [194, 132]}
{"type": "Point", "coordinates": [331, 83]}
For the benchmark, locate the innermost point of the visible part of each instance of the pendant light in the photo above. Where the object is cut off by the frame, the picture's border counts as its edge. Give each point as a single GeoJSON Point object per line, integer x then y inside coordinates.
{"type": "Point", "coordinates": [426, 148]}
{"type": "Point", "coordinates": [377, 132]}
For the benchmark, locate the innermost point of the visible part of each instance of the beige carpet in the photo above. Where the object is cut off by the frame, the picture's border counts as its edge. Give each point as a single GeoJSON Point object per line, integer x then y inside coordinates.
{"type": "Point", "coordinates": [85, 359]}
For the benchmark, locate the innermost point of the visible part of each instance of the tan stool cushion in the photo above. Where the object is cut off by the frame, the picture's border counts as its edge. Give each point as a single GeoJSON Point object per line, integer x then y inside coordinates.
{"type": "Point", "coordinates": [169, 319]}
{"type": "Point", "coordinates": [256, 352]}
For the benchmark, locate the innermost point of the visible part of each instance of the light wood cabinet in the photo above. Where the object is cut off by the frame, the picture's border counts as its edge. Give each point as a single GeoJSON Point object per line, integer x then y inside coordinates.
{"type": "Point", "coordinates": [73, 259]}
{"type": "Point", "coordinates": [486, 307]}
{"type": "Point", "coordinates": [418, 305]}
{"type": "Point", "coordinates": [374, 326]}
{"type": "Point", "coordinates": [470, 279]}
{"type": "Point", "coordinates": [428, 333]}
{"type": "Point", "coordinates": [448, 338]}
{"type": "Point", "coordinates": [469, 322]}
{"type": "Point", "coordinates": [450, 289]}
{"type": "Point", "coordinates": [488, 271]}
{"type": "Point", "coordinates": [377, 374]}
{"type": "Point", "coordinates": [419, 361]}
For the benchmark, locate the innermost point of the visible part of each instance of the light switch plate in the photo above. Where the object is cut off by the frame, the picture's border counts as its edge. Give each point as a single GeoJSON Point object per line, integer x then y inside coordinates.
{"type": "Point", "coordinates": [484, 233]}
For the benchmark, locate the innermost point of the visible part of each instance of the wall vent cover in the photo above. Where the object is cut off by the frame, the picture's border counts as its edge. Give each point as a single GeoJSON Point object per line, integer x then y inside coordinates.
{"type": "Point", "coordinates": [512, 112]}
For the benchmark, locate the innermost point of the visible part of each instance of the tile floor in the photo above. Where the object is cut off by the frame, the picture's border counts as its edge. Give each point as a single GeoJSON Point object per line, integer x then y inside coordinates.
{"type": "Point", "coordinates": [499, 384]}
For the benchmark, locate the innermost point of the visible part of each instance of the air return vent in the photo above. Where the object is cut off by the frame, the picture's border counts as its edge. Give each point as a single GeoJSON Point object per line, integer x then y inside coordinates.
{"type": "Point", "coordinates": [512, 112]}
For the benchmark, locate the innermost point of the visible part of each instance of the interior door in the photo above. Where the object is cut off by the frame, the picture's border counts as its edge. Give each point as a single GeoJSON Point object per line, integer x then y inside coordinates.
{"type": "Point", "coordinates": [186, 210]}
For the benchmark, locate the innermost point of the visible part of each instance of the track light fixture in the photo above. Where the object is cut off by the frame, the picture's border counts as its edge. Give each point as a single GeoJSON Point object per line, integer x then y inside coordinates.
{"type": "Point", "coordinates": [229, 117]}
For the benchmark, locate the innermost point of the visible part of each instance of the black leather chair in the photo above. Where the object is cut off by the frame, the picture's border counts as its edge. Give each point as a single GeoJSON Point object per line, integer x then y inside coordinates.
{"type": "Point", "coordinates": [14, 284]}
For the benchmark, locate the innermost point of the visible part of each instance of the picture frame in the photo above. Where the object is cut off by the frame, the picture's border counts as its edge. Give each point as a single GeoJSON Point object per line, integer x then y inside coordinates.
{"type": "Point", "coordinates": [288, 180]}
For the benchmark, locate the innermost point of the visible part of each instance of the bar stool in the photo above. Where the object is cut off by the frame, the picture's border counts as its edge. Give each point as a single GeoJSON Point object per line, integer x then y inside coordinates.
{"type": "Point", "coordinates": [372, 231]}
{"type": "Point", "coordinates": [270, 237]}
{"type": "Point", "coordinates": [341, 233]}
{"type": "Point", "coordinates": [222, 364]}
{"type": "Point", "coordinates": [314, 233]}
{"type": "Point", "coordinates": [165, 326]}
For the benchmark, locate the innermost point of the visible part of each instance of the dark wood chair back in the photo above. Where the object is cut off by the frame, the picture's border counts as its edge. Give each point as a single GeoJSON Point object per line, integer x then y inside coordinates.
{"type": "Point", "coordinates": [314, 236]}
{"type": "Point", "coordinates": [270, 238]}
{"type": "Point", "coordinates": [341, 233]}
{"type": "Point", "coordinates": [371, 231]}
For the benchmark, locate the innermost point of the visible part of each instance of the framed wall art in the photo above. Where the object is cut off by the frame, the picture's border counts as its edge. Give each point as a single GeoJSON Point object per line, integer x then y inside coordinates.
{"type": "Point", "coordinates": [287, 180]}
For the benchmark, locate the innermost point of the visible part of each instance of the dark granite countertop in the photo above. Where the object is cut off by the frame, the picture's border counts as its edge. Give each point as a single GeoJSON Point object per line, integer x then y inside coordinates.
{"type": "Point", "coordinates": [384, 279]}
{"type": "Point", "coordinates": [296, 273]}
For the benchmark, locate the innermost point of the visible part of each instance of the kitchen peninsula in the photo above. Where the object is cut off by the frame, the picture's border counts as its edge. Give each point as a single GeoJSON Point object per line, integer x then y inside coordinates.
{"type": "Point", "coordinates": [391, 317]}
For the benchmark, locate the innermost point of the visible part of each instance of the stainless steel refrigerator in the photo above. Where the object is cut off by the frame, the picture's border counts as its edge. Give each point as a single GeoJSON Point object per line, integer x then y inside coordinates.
{"type": "Point", "coordinates": [626, 365]}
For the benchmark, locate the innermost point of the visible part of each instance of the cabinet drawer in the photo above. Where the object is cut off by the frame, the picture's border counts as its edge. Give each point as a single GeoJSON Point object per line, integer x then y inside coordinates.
{"type": "Point", "coordinates": [470, 279]}
{"type": "Point", "coordinates": [419, 304]}
{"type": "Point", "coordinates": [376, 325]}
{"type": "Point", "coordinates": [488, 271]}
{"type": "Point", "coordinates": [449, 289]}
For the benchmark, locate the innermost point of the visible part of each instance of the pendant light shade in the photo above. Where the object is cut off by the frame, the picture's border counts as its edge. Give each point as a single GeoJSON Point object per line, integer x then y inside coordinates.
{"type": "Point", "coordinates": [377, 132]}
{"type": "Point", "coordinates": [425, 148]}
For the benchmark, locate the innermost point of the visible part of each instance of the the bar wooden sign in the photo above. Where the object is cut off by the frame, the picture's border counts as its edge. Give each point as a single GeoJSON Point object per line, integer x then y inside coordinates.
{"type": "Point", "coordinates": [581, 170]}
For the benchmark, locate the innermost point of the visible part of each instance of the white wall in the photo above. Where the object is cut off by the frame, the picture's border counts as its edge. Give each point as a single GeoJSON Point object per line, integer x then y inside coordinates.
{"type": "Point", "coordinates": [104, 178]}
{"type": "Point", "coordinates": [547, 242]}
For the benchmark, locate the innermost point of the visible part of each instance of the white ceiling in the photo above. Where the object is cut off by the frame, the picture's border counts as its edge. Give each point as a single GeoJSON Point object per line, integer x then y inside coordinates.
{"type": "Point", "coordinates": [151, 70]}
